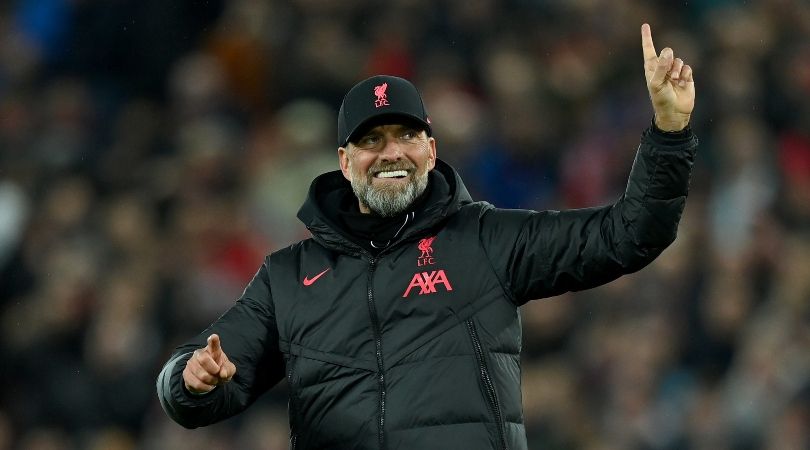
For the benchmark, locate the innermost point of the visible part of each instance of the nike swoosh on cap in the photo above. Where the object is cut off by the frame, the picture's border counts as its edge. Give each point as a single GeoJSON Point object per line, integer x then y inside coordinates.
{"type": "Point", "coordinates": [308, 281]}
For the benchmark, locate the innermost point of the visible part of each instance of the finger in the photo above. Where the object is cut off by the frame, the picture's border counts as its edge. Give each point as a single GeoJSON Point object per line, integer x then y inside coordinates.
{"type": "Point", "coordinates": [686, 74]}
{"type": "Point", "coordinates": [227, 371]}
{"type": "Point", "coordinates": [675, 72]}
{"type": "Point", "coordinates": [214, 347]}
{"type": "Point", "coordinates": [205, 361]}
{"type": "Point", "coordinates": [647, 46]}
{"type": "Point", "coordinates": [662, 68]}
{"type": "Point", "coordinates": [194, 383]}
{"type": "Point", "coordinates": [206, 377]}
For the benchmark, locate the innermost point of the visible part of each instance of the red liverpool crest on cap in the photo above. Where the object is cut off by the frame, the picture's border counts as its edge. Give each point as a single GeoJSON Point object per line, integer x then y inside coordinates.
{"type": "Point", "coordinates": [382, 97]}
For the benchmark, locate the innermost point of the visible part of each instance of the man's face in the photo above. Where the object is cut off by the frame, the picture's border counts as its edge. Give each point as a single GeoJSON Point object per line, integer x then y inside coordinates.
{"type": "Point", "coordinates": [388, 167]}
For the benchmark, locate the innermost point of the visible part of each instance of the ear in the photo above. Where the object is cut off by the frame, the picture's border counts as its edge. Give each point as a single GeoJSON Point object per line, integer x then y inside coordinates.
{"type": "Point", "coordinates": [343, 160]}
{"type": "Point", "coordinates": [432, 157]}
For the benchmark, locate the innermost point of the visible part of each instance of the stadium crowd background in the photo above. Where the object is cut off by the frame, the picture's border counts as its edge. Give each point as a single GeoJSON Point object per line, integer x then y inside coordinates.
{"type": "Point", "coordinates": [151, 153]}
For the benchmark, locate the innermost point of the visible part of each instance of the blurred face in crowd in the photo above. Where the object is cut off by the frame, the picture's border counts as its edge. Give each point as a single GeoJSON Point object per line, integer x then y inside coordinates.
{"type": "Point", "coordinates": [388, 167]}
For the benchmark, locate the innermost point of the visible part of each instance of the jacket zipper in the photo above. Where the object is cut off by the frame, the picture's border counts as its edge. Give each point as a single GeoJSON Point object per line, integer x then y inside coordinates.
{"type": "Point", "coordinates": [293, 407]}
{"type": "Point", "coordinates": [489, 387]}
{"type": "Point", "coordinates": [375, 322]}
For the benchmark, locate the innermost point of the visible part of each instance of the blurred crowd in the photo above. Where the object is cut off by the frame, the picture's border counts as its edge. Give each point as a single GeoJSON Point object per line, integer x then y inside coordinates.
{"type": "Point", "coordinates": [152, 152]}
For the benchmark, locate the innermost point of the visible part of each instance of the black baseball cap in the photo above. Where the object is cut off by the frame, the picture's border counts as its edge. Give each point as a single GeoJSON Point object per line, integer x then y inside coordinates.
{"type": "Point", "coordinates": [377, 99]}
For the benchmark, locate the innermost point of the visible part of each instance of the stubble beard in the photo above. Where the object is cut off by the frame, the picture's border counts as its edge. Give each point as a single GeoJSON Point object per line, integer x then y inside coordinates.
{"type": "Point", "coordinates": [388, 201]}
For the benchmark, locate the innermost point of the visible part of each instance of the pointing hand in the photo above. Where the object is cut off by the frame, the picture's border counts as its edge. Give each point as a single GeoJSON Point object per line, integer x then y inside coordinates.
{"type": "Point", "coordinates": [670, 84]}
{"type": "Point", "coordinates": [208, 367]}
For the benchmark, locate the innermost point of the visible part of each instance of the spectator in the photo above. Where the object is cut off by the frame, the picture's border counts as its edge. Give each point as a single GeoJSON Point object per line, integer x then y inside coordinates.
{"type": "Point", "coordinates": [122, 135]}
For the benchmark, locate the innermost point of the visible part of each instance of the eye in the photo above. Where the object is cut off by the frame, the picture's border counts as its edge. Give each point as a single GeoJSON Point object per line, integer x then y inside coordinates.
{"type": "Point", "coordinates": [369, 140]}
{"type": "Point", "coordinates": [409, 134]}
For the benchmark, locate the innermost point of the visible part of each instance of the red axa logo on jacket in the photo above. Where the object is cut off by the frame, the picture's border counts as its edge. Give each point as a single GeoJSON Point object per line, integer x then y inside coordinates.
{"type": "Point", "coordinates": [427, 282]}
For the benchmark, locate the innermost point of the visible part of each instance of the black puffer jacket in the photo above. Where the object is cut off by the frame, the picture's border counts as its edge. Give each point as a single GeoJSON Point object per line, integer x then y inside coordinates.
{"type": "Point", "coordinates": [419, 346]}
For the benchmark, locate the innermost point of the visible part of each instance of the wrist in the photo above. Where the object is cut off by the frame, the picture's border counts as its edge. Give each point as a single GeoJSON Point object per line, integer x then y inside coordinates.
{"type": "Point", "coordinates": [196, 393]}
{"type": "Point", "coordinates": [670, 125]}
{"type": "Point", "coordinates": [669, 138]}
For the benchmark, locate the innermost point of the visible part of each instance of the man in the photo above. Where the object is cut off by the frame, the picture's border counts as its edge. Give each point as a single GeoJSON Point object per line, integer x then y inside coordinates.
{"type": "Point", "coordinates": [396, 324]}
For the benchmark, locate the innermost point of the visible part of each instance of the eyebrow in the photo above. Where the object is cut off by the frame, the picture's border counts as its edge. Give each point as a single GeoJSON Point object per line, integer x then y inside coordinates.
{"type": "Point", "coordinates": [398, 128]}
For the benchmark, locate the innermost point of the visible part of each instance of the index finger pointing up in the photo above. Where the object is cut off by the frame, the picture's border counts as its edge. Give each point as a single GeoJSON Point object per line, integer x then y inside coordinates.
{"type": "Point", "coordinates": [647, 43]}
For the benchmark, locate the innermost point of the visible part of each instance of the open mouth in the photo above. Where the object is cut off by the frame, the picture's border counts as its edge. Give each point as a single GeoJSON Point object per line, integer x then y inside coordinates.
{"type": "Point", "coordinates": [397, 174]}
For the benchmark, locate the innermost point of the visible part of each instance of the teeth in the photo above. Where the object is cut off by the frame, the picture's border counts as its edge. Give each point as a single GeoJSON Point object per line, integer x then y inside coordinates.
{"type": "Point", "coordinates": [393, 173]}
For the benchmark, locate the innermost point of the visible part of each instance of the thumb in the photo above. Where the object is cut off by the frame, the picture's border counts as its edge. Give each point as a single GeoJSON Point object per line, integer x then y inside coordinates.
{"type": "Point", "coordinates": [214, 347]}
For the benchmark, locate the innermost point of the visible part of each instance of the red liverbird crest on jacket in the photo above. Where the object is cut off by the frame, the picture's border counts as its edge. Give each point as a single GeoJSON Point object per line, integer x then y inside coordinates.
{"type": "Point", "coordinates": [382, 97]}
{"type": "Point", "coordinates": [425, 247]}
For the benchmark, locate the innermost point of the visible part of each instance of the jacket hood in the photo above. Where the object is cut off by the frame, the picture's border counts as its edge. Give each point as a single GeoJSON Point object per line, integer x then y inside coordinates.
{"type": "Point", "coordinates": [324, 227]}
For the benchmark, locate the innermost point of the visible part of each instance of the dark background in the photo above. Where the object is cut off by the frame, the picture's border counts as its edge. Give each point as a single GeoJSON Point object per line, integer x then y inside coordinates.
{"type": "Point", "coordinates": [152, 152]}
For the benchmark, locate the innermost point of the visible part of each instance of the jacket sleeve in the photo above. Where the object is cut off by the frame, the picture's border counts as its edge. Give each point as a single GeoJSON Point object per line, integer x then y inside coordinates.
{"type": "Point", "coordinates": [249, 337]}
{"type": "Point", "coordinates": [542, 254]}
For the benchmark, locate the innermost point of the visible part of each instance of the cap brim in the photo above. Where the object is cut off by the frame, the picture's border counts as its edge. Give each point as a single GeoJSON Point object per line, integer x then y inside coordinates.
{"type": "Point", "coordinates": [388, 118]}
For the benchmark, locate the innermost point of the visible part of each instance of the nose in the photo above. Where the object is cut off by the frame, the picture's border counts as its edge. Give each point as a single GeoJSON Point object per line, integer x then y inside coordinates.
{"type": "Point", "coordinates": [392, 151]}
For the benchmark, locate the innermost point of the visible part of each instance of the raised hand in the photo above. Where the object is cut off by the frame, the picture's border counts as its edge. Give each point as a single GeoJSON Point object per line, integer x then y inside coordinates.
{"type": "Point", "coordinates": [670, 83]}
{"type": "Point", "coordinates": [208, 367]}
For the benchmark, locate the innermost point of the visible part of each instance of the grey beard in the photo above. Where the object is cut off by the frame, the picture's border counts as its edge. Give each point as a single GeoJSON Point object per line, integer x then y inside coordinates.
{"type": "Point", "coordinates": [389, 202]}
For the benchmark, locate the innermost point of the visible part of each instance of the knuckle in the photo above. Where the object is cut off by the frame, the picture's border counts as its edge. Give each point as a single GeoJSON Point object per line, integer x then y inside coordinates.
{"type": "Point", "coordinates": [203, 375]}
{"type": "Point", "coordinates": [192, 365]}
{"type": "Point", "coordinates": [207, 379]}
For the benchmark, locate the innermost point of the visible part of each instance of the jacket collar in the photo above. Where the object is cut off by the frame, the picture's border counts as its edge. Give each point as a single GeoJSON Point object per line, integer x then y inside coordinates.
{"type": "Point", "coordinates": [326, 229]}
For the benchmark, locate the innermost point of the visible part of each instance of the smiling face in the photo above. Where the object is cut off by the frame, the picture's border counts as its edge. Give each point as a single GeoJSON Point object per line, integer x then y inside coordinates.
{"type": "Point", "coordinates": [388, 167]}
